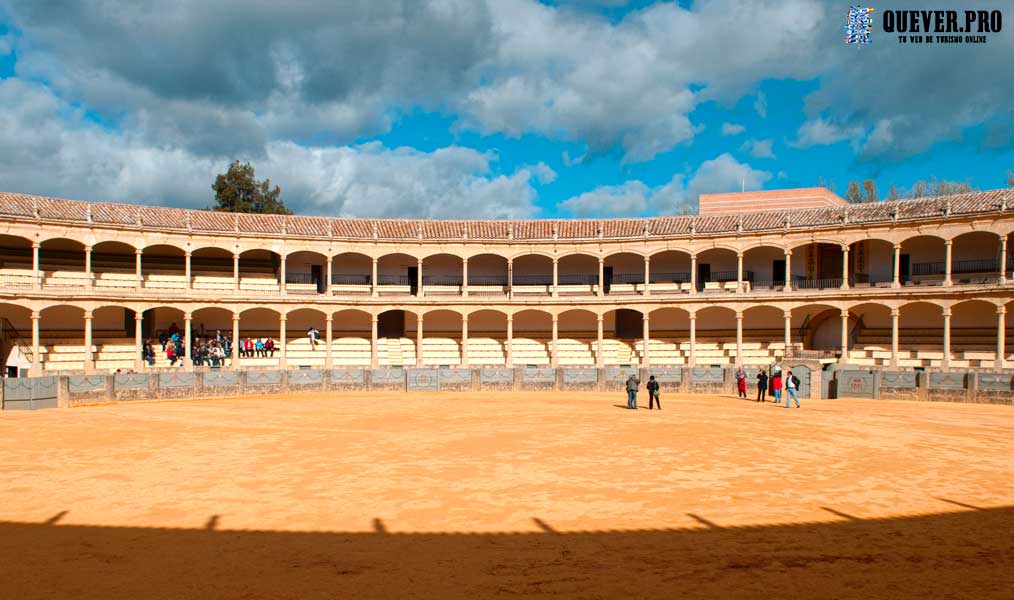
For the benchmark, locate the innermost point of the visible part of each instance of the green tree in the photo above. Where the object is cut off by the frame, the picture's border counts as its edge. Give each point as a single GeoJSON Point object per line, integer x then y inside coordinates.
{"type": "Point", "coordinates": [870, 189]}
{"type": "Point", "coordinates": [853, 195]}
{"type": "Point", "coordinates": [237, 190]}
{"type": "Point", "coordinates": [892, 193]}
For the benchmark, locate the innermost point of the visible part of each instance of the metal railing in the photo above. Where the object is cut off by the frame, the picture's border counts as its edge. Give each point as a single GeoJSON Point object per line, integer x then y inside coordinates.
{"type": "Point", "coordinates": [350, 279]}
{"type": "Point", "coordinates": [681, 277]}
{"type": "Point", "coordinates": [487, 280]}
{"type": "Point", "coordinates": [635, 278]}
{"type": "Point", "coordinates": [17, 281]}
{"type": "Point", "coordinates": [816, 284]}
{"type": "Point", "coordinates": [383, 279]}
{"type": "Point", "coordinates": [533, 280]}
{"type": "Point", "coordinates": [9, 331]}
{"type": "Point", "coordinates": [442, 279]}
{"type": "Point", "coordinates": [578, 279]}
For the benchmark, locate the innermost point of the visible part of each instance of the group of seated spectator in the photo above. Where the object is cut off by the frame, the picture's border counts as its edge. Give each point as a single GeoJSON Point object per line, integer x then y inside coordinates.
{"type": "Point", "coordinates": [264, 348]}
{"type": "Point", "coordinates": [212, 350]}
{"type": "Point", "coordinates": [207, 349]}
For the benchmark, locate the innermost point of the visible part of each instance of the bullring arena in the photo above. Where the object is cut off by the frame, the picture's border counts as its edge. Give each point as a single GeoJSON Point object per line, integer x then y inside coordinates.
{"type": "Point", "coordinates": [513, 468]}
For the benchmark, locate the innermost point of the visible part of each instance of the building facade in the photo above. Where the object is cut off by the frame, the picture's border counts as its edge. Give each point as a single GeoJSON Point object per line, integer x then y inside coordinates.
{"type": "Point", "coordinates": [913, 283]}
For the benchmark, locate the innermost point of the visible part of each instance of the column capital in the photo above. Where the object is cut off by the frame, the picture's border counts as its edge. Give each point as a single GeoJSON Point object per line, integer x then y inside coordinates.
{"type": "Point", "coordinates": [787, 314]}
{"type": "Point", "coordinates": [948, 242]}
{"type": "Point", "coordinates": [36, 245]}
{"type": "Point", "coordinates": [510, 317]}
{"type": "Point", "coordinates": [788, 252]}
{"type": "Point", "coordinates": [555, 260]}
{"type": "Point", "coordinates": [645, 317]}
{"type": "Point", "coordinates": [556, 318]}
{"type": "Point", "coordinates": [947, 311]}
{"type": "Point", "coordinates": [647, 259]}
{"type": "Point", "coordinates": [88, 247]}
{"type": "Point", "coordinates": [138, 251]}
{"type": "Point", "coordinates": [88, 315]}
{"type": "Point", "coordinates": [739, 254]}
{"type": "Point", "coordinates": [1001, 310]}
{"type": "Point", "coordinates": [138, 316]}
{"type": "Point", "coordinates": [739, 315]}
{"type": "Point", "coordinates": [235, 318]}
{"type": "Point", "coordinates": [374, 318]}
{"type": "Point", "coordinates": [845, 248]}
{"type": "Point", "coordinates": [895, 312]}
{"type": "Point", "coordinates": [602, 259]}
{"type": "Point", "coordinates": [187, 316]}
{"type": "Point", "coordinates": [464, 318]}
{"type": "Point", "coordinates": [36, 315]}
{"type": "Point", "coordinates": [375, 259]}
{"type": "Point", "coordinates": [692, 315]}
{"type": "Point", "coordinates": [897, 247]}
{"type": "Point", "coordinates": [328, 319]}
{"type": "Point", "coordinates": [845, 313]}
{"type": "Point", "coordinates": [599, 318]}
{"type": "Point", "coordinates": [188, 254]}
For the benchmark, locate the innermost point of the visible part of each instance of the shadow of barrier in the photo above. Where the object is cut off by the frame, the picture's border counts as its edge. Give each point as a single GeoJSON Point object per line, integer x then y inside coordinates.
{"type": "Point", "coordinates": [968, 554]}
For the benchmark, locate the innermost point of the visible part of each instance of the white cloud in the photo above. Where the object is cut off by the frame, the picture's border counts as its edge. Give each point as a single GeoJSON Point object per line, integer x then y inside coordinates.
{"type": "Point", "coordinates": [761, 105]}
{"type": "Point", "coordinates": [821, 132]}
{"type": "Point", "coordinates": [758, 148]}
{"type": "Point", "coordinates": [628, 199]}
{"type": "Point", "coordinates": [732, 129]}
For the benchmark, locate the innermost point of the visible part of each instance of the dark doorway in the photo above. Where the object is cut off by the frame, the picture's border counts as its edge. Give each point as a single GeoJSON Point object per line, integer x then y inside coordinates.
{"type": "Point", "coordinates": [905, 264]}
{"type": "Point", "coordinates": [129, 322]}
{"type": "Point", "coordinates": [607, 279]}
{"type": "Point", "coordinates": [629, 324]}
{"type": "Point", "coordinates": [778, 271]}
{"type": "Point", "coordinates": [703, 275]}
{"type": "Point", "coordinates": [316, 275]}
{"type": "Point", "coordinates": [413, 281]}
{"type": "Point", "coordinates": [391, 324]}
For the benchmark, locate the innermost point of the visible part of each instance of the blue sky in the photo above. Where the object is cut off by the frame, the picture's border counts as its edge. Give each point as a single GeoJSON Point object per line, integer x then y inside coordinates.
{"type": "Point", "coordinates": [513, 108]}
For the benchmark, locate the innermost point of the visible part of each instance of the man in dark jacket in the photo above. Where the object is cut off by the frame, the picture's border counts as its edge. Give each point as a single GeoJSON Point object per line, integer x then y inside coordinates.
{"type": "Point", "coordinates": [632, 383]}
{"type": "Point", "coordinates": [762, 386]}
{"type": "Point", "coordinates": [652, 387]}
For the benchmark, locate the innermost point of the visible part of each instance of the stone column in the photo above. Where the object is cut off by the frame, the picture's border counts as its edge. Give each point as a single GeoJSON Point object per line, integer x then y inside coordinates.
{"type": "Point", "coordinates": [739, 272]}
{"type": "Point", "coordinates": [1001, 332]}
{"type": "Point", "coordinates": [693, 339]}
{"type": "Point", "coordinates": [283, 342]}
{"type": "Point", "coordinates": [896, 282]}
{"type": "Point", "coordinates": [895, 315]}
{"type": "Point", "coordinates": [374, 357]}
{"type": "Point", "coordinates": [845, 267]}
{"type": "Point", "coordinates": [419, 341]}
{"type": "Point", "coordinates": [556, 278]}
{"type": "Point", "coordinates": [137, 268]}
{"type": "Point", "coordinates": [236, 341]}
{"type": "Point", "coordinates": [88, 266]}
{"type": "Point", "coordinates": [693, 273]}
{"type": "Point", "coordinates": [510, 278]}
{"type": "Point", "coordinates": [788, 333]}
{"type": "Point", "coordinates": [947, 262]}
{"type": "Point", "coordinates": [188, 271]}
{"type": "Point", "coordinates": [844, 337]}
{"type": "Point", "coordinates": [554, 357]}
{"type": "Point", "coordinates": [235, 270]}
{"type": "Point", "coordinates": [419, 279]}
{"type": "Point", "coordinates": [645, 354]}
{"type": "Point", "coordinates": [647, 276]}
{"type": "Point", "coordinates": [89, 356]}
{"type": "Point", "coordinates": [510, 341]}
{"type": "Point", "coordinates": [327, 276]}
{"type": "Point", "coordinates": [1003, 259]}
{"type": "Point", "coordinates": [464, 340]}
{"type": "Point", "coordinates": [36, 280]}
{"type": "Point", "coordinates": [464, 277]}
{"type": "Point", "coordinates": [739, 337]}
{"type": "Point", "coordinates": [788, 270]}
{"type": "Point", "coordinates": [328, 357]}
{"type": "Point", "coordinates": [188, 343]}
{"type": "Point", "coordinates": [138, 341]}
{"type": "Point", "coordinates": [36, 357]}
{"type": "Point", "coordinates": [281, 276]}
{"type": "Point", "coordinates": [602, 277]}
{"type": "Point", "coordinates": [373, 280]}
{"type": "Point", "coordinates": [599, 358]}
{"type": "Point", "coordinates": [947, 338]}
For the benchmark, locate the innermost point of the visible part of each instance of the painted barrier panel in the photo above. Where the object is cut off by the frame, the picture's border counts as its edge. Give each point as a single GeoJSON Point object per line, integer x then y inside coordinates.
{"type": "Point", "coordinates": [307, 377]}
{"type": "Point", "coordinates": [132, 381]}
{"type": "Point", "coordinates": [619, 375]}
{"type": "Point", "coordinates": [418, 380]}
{"type": "Point", "coordinates": [947, 381]}
{"type": "Point", "coordinates": [221, 379]}
{"type": "Point", "coordinates": [897, 379]}
{"type": "Point", "coordinates": [574, 376]}
{"type": "Point", "coordinates": [667, 374]}
{"type": "Point", "coordinates": [707, 375]}
{"type": "Point", "coordinates": [538, 375]}
{"type": "Point", "coordinates": [80, 384]}
{"type": "Point", "coordinates": [388, 376]}
{"type": "Point", "coordinates": [264, 377]}
{"type": "Point", "coordinates": [995, 382]}
{"type": "Point", "coordinates": [176, 379]}
{"type": "Point", "coordinates": [855, 384]}
{"type": "Point", "coordinates": [347, 376]}
{"type": "Point", "coordinates": [496, 375]}
{"type": "Point", "coordinates": [455, 377]}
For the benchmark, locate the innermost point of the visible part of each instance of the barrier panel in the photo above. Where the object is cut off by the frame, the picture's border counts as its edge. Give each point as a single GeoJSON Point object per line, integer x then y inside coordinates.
{"type": "Point", "coordinates": [855, 384]}
{"type": "Point", "coordinates": [29, 393]}
{"type": "Point", "coordinates": [496, 378]}
{"type": "Point", "coordinates": [422, 380]}
{"type": "Point", "coordinates": [388, 378]}
{"type": "Point", "coordinates": [538, 378]}
{"type": "Point", "coordinates": [346, 378]}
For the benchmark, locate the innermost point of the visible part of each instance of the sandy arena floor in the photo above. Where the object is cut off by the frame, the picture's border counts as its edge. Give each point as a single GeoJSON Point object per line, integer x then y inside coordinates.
{"type": "Point", "coordinates": [499, 494]}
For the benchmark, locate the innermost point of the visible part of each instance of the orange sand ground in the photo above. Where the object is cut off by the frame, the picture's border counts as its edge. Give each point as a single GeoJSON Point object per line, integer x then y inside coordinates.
{"type": "Point", "coordinates": [555, 495]}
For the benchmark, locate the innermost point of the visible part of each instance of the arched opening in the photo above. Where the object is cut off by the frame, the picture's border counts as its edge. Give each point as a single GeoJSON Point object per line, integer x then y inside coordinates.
{"type": "Point", "coordinates": [351, 332]}
{"type": "Point", "coordinates": [817, 266]}
{"type": "Point", "coordinates": [300, 350]}
{"type": "Point", "coordinates": [441, 343]}
{"type": "Point", "coordinates": [669, 338]}
{"type": "Point", "coordinates": [764, 268]}
{"type": "Point", "coordinates": [61, 338]}
{"type": "Point", "coordinates": [871, 263]}
{"type": "Point", "coordinates": [442, 275]}
{"type": "Point", "coordinates": [113, 329]}
{"type": "Point", "coordinates": [305, 273]}
{"type": "Point", "coordinates": [163, 267]}
{"type": "Point", "coordinates": [920, 335]}
{"type": "Point", "coordinates": [623, 273]}
{"type": "Point", "coordinates": [670, 272]}
{"type": "Point", "coordinates": [16, 269]}
{"type": "Point", "coordinates": [114, 266]}
{"type": "Point", "coordinates": [397, 275]}
{"type": "Point", "coordinates": [258, 326]}
{"type": "Point", "coordinates": [533, 333]}
{"type": "Point", "coordinates": [351, 274]}
{"type": "Point", "coordinates": [212, 336]}
{"type": "Point", "coordinates": [763, 335]}
{"type": "Point", "coordinates": [487, 275]}
{"type": "Point", "coordinates": [623, 335]}
{"type": "Point", "coordinates": [15, 340]}
{"type": "Point", "coordinates": [717, 270]}
{"type": "Point", "coordinates": [532, 275]}
{"type": "Point", "coordinates": [487, 334]}
{"type": "Point", "coordinates": [975, 258]}
{"type": "Point", "coordinates": [577, 338]}
{"type": "Point", "coordinates": [869, 334]}
{"type": "Point", "coordinates": [211, 269]}
{"type": "Point", "coordinates": [62, 263]}
{"type": "Point", "coordinates": [716, 336]}
{"type": "Point", "coordinates": [815, 332]}
{"type": "Point", "coordinates": [259, 271]}
{"type": "Point", "coordinates": [161, 325]}
{"type": "Point", "coordinates": [577, 275]}
{"type": "Point", "coordinates": [922, 261]}
{"type": "Point", "coordinates": [396, 334]}
{"type": "Point", "coordinates": [973, 334]}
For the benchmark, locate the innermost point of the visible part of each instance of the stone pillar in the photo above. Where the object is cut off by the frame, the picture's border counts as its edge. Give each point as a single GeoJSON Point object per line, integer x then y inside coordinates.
{"type": "Point", "coordinates": [36, 279]}
{"type": "Point", "coordinates": [895, 315]}
{"type": "Point", "coordinates": [554, 357]}
{"type": "Point", "coordinates": [328, 357]}
{"type": "Point", "coordinates": [556, 278]}
{"type": "Point", "coordinates": [88, 266]}
{"type": "Point", "coordinates": [281, 276]}
{"type": "Point", "coordinates": [1003, 259]}
{"type": "Point", "coordinates": [1001, 331]}
{"type": "Point", "coordinates": [464, 277]}
{"type": "Point", "coordinates": [599, 358]}
{"type": "Point", "coordinates": [419, 341]}
{"type": "Point", "coordinates": [419, 279]}
{"type": "Point", "coordinates": [788, 333]}
{"type": "Point", "coordinates": [845, 267]}
{"type": "Point", "coordinates": [510, 278]}
{"type": "Point", "coordinates": [188, 271]}
{"type": "Point", "coordinates": [739, 337]}
{"type": "Point", "coordinates": [36, 357]}
{"type": "Point", "coordinates": [89, 356]}
{"type": "Point", "coordinates": [947, 262]}
{"type": "Point", "coordinates": [693, 339]}
{"type": "Point", "coordinates": [464, 340]}
{"type": "Point", "coordinates": [137, 268]}
{"type": "Point", "coordinates": [373, 279]}
{"type": "Point", "coordinates": [235, 270]}
{"type": "Point", "coordinates": [788, 270]}
{"type": "Point", "coordinates": [896, 282]}
{"type": "Point", "coordinates": [236, 341]}
{"type": "Point", "coordinates": [693, 273]}
{"type": "Point", "coordinates": [283, 342]}
{"type": "Point", "coordinates": [739, 272]}
{"type": "Point", "coordinates": [645, 354]}
{"type": "Point", "coordinates": [947, 338]}
{"type": "Point", "coordinates": [138, 341]}
{"type": "Point", "coordinates": [647, 276]}
{"type": "Point", "coordinates": [188, 343]}
{"type": "Point", "coordinates": [510, 341]}
{"type": "Point", "coordinates": [374, 357]}
{"type": "Point", "coordinates": [327, 276]}
{"type": "Point", "coordinates": [602, 277]}
{"type": "Point", "coordinates": [844, 337]}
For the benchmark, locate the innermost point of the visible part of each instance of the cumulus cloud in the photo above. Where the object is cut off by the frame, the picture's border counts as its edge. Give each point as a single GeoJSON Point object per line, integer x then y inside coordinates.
{"type": "Point", "coordinates": [758, 148]}
{"type": "Point", "coordinates": [627, 199]}
{"type": "Point", "coordinates": [732, 129]}
{"type": "Point", "coordinates": [760, 104]}
{"type": "Point", "coordinates": [821, 132]}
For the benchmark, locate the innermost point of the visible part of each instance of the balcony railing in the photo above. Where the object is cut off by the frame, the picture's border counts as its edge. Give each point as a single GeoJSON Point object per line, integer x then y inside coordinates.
{"type": "Point", "coordinates": [350, 279]}
{"type": "Point", "coordinates": [681, 277]}
{"type": "Point", "coordinates": [442, 280]}
{"type": "Point", "coordinates": [491, 280]}
{"type": "Point", "coordinates": [533, 280]}
{"type": "Point", "coordinates": [383, 279]}
{"type": "Point", "coordinates": [16, 281]}
{"type": "Point", "coordinates": [816, 284]}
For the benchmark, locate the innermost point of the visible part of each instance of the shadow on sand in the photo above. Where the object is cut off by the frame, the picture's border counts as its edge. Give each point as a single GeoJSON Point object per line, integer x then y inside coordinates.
{"type": "Point", "coordinates": [967, 554]}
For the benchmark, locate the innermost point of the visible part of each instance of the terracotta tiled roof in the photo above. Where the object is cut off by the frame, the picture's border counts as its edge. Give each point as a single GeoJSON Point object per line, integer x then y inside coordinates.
{"type": "Point", "coordinates": [22, 206]}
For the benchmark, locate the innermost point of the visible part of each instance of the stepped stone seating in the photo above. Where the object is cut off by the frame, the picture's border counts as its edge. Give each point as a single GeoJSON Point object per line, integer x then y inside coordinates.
{"type": "Point", "coordinates": [574, 289]}
{"type": "Point", "coordinates": [923, 347]}
{"type": "Point", "coordinates": [575, 352]}
{"type": "Point", "coordinates": [299, 352]}
{"type": "Point", "coordinates": [617, 352]}
{"type": "Point", "coordinates": [351, 351]}
{"type": "Point", "coordinates": [64, 278]}
{"type": "Point", "coordinates": [394, 352]}
{"type": "Point", "coordinates": [440, 351]}
{"type": "Point", "coordinates": [530, 351]}
{"type": "Point", "coordinates": [538, 290]}
{"type": "Point", "coordinates": [204, 281]}
{"type": "Point", "coordinates": [165, 280]}
{"type": "Point", "coordinates": [486, 351]}
{"type": "Point", "coordinates": [258, 284]}
{"type": "Point", "coordinates": [115, 279]}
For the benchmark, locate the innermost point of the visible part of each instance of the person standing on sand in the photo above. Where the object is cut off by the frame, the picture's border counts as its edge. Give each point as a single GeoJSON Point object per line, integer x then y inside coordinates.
{"type": "Point", "coordinates": [762, 385]}
{"type": "Point", "coordinates": [632, 383]}
{"type": "Point", "coordinates": [740, 383]}
{"type": "Point", "coordinates": [776, 386]}
{"type": "Point", "coordinates": [652, 387]}
{"type": "Point", "coordinates": [791, 388]}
